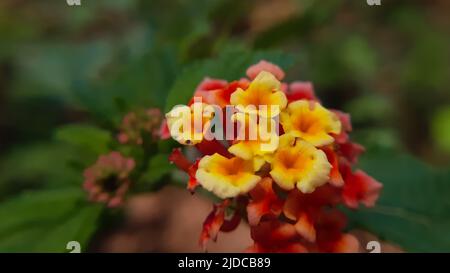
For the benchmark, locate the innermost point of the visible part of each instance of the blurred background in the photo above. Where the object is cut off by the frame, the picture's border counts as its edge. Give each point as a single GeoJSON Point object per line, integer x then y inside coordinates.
{"type": "Point", "coordinates": [68, 74]}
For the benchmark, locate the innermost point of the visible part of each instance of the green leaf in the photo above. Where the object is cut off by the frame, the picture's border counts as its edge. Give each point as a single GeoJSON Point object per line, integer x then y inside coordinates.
{"type": "Point", "coordinates": [414, 205]}
{"type": "Point", "coordinates": [440, 128]}
{"type": "Point", "coordinates": [370, 108]}
{"type": "Point", "coordinates": [32, 207]}
{"type": "Point", "coordinates": [85, 136]}
{"type": "Point", "coordinates": [157, 168]}
{"type": "Point", "coordinates": [37, 166]}
{"type": "Point", "coordinates": [50, 68]}
{"type": "Point", "coordinates": [231, 65]}
{"type": "Point", "coordinates": [134, 82]}
{"type": "Point", "coordinates": [45, 221]}
{"type": "Point", "coordinates": [78, 227]}
{"type": "Point", "coordinates": [358, 57]}
{"type": "Point", "coordinates": [377, 138]}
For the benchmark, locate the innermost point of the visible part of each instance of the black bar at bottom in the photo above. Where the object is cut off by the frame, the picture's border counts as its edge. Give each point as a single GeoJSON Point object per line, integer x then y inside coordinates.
{"type": "Point", "coordinates": [228, 262]}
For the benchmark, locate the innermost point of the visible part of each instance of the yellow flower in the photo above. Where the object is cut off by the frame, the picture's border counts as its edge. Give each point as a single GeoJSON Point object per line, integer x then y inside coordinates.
{"type": "Point", "coordinates": [264, 90]}
{"type": "Point", "coordinates": [226, 177]}
{"type": "Point", "coordinates": [187, 125]}
{"type": "Point", "coordinates": [311, 122]}
{"type": "Point", "coordinates": [257, 147]}
{"type": "Point", "coordinates": [251, 150]}
{"type": "Point", "coordinates": [298, 163]}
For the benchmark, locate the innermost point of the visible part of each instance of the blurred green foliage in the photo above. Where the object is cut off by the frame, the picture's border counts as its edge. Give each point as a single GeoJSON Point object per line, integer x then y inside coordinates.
{"type": "Point", "coordinates": [69, 74]}
{"type": "Point", "coordinates": [413, 209]}
{"type": "Point", "coordinates": [46, 221]}
{"type": "Point", "coordinates": [441, 128]}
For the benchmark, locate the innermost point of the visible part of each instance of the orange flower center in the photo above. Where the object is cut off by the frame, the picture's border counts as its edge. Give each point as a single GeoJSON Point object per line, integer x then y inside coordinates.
{"type": "Point", "coordinates": [307, 124]}
{"type": "Point", "coordinates": [231, 167]}
{"type": "Point", "coordinates": [291, 160]}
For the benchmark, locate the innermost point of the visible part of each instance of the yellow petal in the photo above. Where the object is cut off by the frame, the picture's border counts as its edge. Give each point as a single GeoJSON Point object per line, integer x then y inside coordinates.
{"type": "Point", "coordinates": [261, 140]}
{"type": "Point", "coordinates": [301, 165]}
{"type": "Point", "coordinates": [264, 90]}
{"type": "Point", "coordinates": [311, 122]}
{"type": "Point", "coordinates": [187, 125]}
{"type": "Point", "coordinates": [226, 177]}
{"type": "Point", "coordinates": [243, 149]}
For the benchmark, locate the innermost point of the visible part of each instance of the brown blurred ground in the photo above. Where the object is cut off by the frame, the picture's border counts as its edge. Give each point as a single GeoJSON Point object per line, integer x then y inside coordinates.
{"type": "Point", "coordinates": [170, 221]}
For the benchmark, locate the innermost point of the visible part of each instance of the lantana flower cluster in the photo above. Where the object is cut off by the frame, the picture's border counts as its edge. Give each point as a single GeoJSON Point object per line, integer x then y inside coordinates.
{"type": "Point", "coordinates": [108, 180]}
{"type": "Point", "coordinates": [134, 124]}
{"type": "Point", "coordinates": [289, 187]}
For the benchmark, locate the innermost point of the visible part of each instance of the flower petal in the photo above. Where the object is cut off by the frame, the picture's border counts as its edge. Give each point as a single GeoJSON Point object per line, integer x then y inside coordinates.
{"type": "Point", "coordinates": [311, 122]}
{"type": "Point", "coordinates": [226, 177]}
{"type": "Point", "coordinates": [360, 188]}
{"type": "Point", "coordinates": [254, 70]}
{"type": "Point", "coordinates": [265, 91]}
{"type": "Point", "coordinates": [263, 202]}
{"type": "Point", "coordinates": [302, 165]}
{"type": "Point", "coordinates": [213, 223]}
{"type": "Point", "coordinates": [305, 227]}
{"type": "Point", "coordinates": [301, 91]}
{"type": "Point", "coordinates": [335, 176]}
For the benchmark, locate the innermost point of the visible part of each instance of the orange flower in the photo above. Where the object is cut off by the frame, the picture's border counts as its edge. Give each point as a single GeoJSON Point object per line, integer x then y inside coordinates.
{"type": "Point", "coordinates": [254, 70]}
{"type": "Point", "coordinates": [226, 177]}
{"type": "Point", "coordinates": [177, 158]}
{"type": "Point", "coordinates": [311, 122]}
{"type": "Point", "coordinates": [216, 222]}
{"type": "Point", "coordinates": [304, 208]}
{"type": "Point", "coordinates": [218, 92]}
{"type": "Point", "coordinates": [300, 91]}
{"type": "Point", "coordinates": [359, 188]}
{"type": "Point", "coordinates": [297, 163]}
{"type": "Point", "coordinates": [258, 147]}
{"type": "Point", "coordinates": [335, 176]}
{"type": "Point", "coordinates": [330, 238]}
{"type": "Point", "coordinates": [275, 236]}
{"type": "Point", "coordinates": [265, 91]}
{"type": "Point", "coordinates": [264, 201]}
